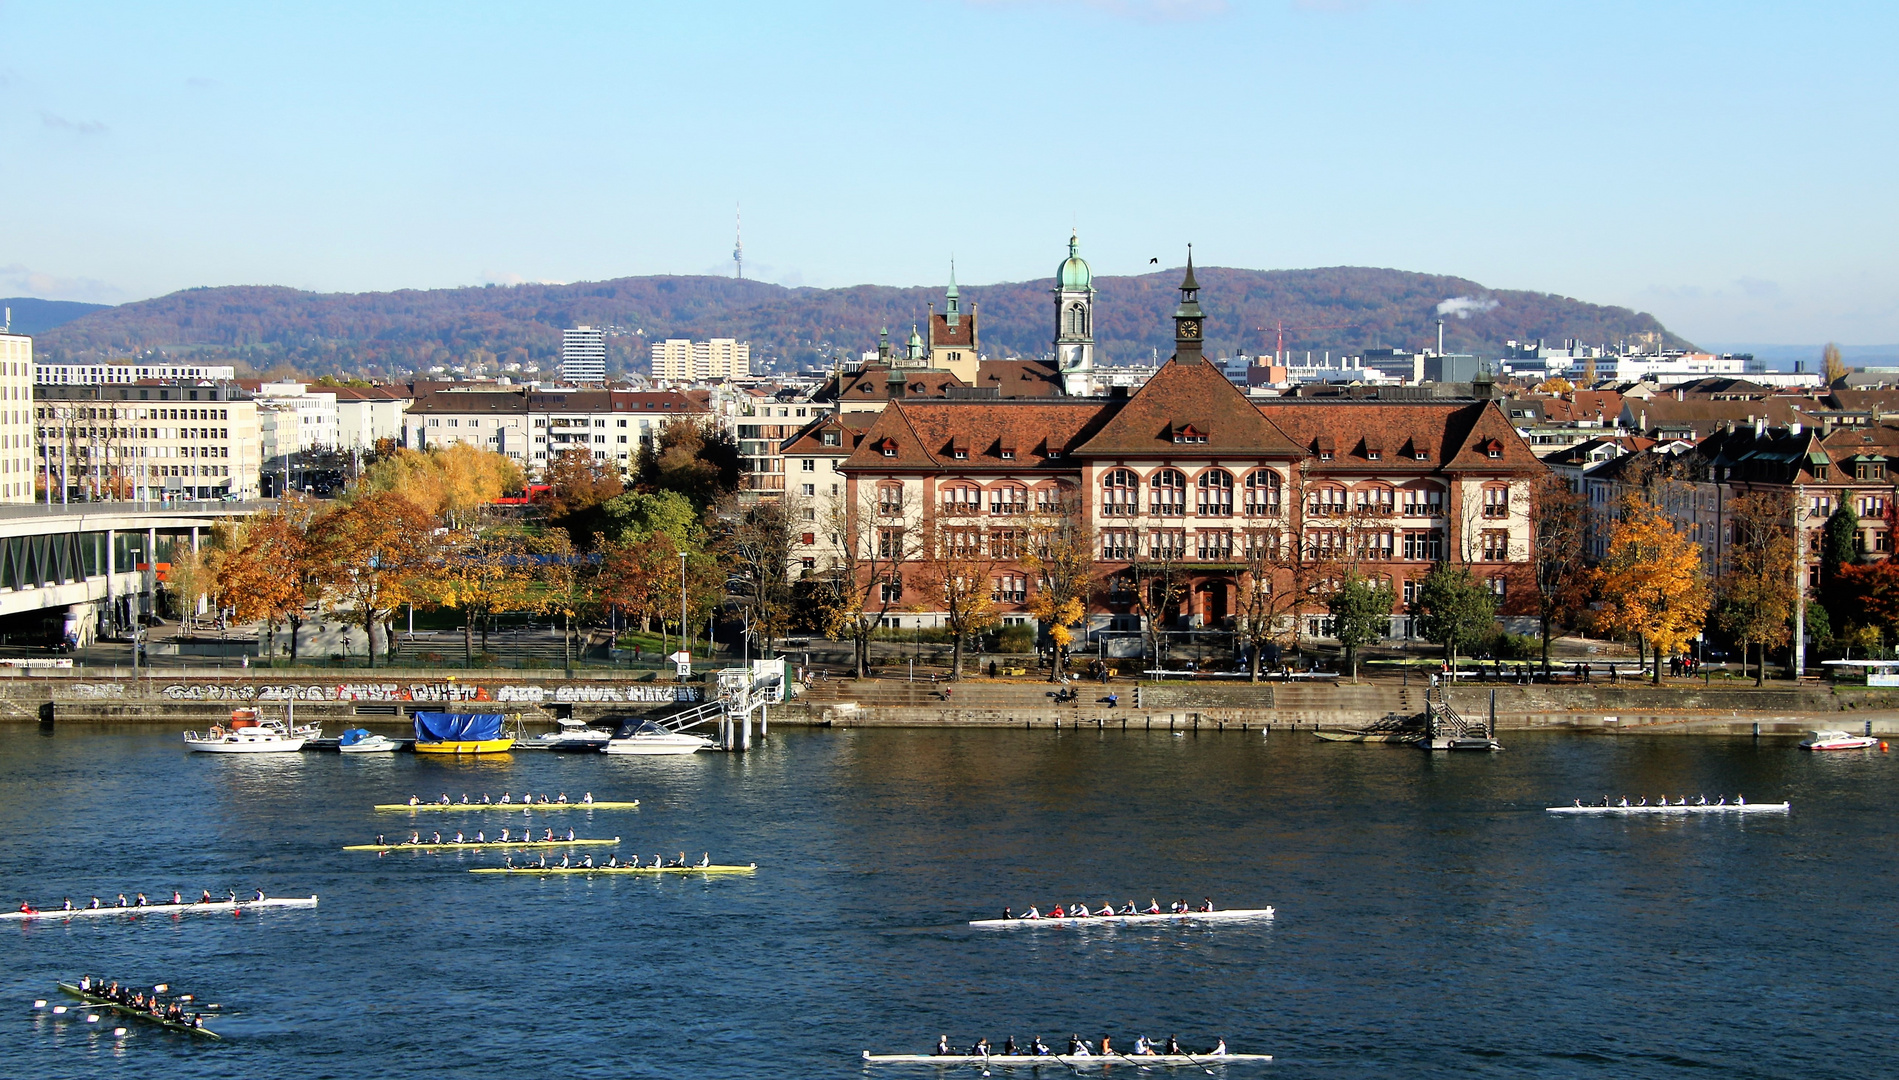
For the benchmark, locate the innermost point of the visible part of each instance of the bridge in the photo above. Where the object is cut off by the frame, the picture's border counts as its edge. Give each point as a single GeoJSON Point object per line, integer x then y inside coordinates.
{"type": "Point", "coordinates": [86, 569]}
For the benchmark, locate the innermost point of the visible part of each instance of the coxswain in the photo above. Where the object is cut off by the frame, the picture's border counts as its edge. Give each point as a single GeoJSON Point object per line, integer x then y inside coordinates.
{"type": "Point", "coordinates": [942, 1047]}
{"type": "Point", "coordinates": [1153, 906]}
{"type": "Point", "coordinates": [705, 859]}
{"type": "Point", "coordinates": [1206, 904]}
{"type": "Point", "coordinates": [1009, 1047]}
{"type": "Point", "coordinates": [413, 801]}
{"type": "Point", "coordinates": [205, 897]}
{"type": "Point", "coordinates": [1173, 1044]}
{"type": "Point", "coordinates": [562, 798]}
{"type": "Point", "coordinates": [1039, 1048]}
{"type": "Point", "coordinates": [94, 905]}
{"type": "Point", "coordinates": [1219, 1049]}
{"type": "Point", "coordinates": [981, 1049]}
{"type": "Point", "coordinates": [587, 799]}
{"type": "Point", "coordinates": [27, 909]}
{"type": "Point", "coordinates": [1007, 915]}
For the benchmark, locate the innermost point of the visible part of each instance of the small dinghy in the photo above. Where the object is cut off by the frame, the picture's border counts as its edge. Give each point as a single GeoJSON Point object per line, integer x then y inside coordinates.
{"type": "Point", "coordinates": [364, 741]}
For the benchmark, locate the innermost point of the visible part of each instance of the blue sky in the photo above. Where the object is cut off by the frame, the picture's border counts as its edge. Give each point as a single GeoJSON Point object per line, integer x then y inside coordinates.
{"type": "Point", "coordinates": [1728, 166]}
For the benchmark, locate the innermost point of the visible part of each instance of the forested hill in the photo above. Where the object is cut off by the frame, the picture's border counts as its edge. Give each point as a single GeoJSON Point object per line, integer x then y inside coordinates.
{"type": "Point", "coordinates": [1347, 309]}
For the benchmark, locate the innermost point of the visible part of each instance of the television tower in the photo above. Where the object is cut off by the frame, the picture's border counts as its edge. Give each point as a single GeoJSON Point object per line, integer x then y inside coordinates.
{"type": "Point", "coordinates": [738, 243]}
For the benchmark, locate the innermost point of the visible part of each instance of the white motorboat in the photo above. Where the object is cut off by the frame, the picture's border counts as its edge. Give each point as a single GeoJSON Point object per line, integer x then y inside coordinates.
{"type": "Point", "coordinates": [247, 733]}
{"type": "Point", "coordinates": [1837, 740]}
{"type": "Point", "coordinates": [572, 735]}
{"type": "Point", "coordinates": [364, 741]}
{"type": "Point", "coordinates": [643, 737]}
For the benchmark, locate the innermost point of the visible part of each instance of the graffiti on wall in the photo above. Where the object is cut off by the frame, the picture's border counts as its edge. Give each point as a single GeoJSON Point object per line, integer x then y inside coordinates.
{"type": "Point", "coordinates": [648, 694]}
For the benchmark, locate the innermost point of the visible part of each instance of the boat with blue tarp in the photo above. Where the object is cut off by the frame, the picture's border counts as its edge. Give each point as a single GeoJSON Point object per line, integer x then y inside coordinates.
{"type": "Point", "coordinates": [460, 733]}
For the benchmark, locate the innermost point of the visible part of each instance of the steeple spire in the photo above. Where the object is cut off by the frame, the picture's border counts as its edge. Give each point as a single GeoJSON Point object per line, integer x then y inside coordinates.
{"type": "Point", "coordinates": [952, 307]}
{"type": "Point", "coordinates": [1188, 318]}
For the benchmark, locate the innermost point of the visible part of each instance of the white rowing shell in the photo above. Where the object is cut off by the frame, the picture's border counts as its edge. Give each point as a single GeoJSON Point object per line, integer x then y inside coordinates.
{"type": "Point", "coordinates": [160, 909]}
{"type": "Point", "coordinates": [1165, 916]}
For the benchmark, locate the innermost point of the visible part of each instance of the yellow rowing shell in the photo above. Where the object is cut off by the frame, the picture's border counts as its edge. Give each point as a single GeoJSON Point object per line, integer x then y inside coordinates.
{"type": "Point", "coordinates": [510, 806]}
{"type": "Point", "coordinates": [615, 869]}
{"type": "Point", "coordinates": [448, 845]}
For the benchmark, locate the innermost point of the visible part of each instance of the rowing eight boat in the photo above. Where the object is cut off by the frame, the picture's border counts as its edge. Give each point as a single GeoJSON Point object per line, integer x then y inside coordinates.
{"type": "Point", "coordinates": [615, 869]}
{"type": "Point", "coordinates": [1677, 808]}
{"type": "Point", "coordinates": [1071, 1060]}
{"type": "Point", "coordinates": [162, 909]}
{"type": "Point", "coordinates": [135, 1012]}
{"type": "Point", "coordinates": [1141, 917]}
{"type": "Point", "coordinates": [510, 806]}
{"type": "Point", "coordinates": [485, 844]}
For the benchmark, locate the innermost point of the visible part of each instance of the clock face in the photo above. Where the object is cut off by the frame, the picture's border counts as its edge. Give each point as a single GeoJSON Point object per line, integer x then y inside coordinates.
{"type": "Point", "coordinates": [1189, 328]}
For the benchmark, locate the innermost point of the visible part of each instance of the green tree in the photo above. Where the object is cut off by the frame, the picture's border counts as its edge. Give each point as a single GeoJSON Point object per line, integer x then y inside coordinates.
{"type": "Point", "coordinates": [1361, 614]}
{"type": "Point", "coordinates": [1455, 610]}
{"type": "Point", "coordinates": [637, 515]}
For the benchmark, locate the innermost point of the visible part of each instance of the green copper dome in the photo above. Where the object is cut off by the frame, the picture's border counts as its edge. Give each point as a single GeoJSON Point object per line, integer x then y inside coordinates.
{"type": "Point", "coordinates": [1073, 273]}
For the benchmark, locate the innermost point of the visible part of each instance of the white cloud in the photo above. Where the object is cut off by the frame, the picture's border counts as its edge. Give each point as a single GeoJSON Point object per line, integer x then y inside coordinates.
{"type": "Point", "coordinates": [1463, 307]}
{"type": "Point", "coordinates": [26, 281]}
{"type": "Point", "coordinates": [81, 127]}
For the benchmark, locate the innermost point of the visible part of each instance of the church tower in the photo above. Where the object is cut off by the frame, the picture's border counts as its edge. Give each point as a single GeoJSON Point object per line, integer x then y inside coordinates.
{"type": "Point", "coordinates": [953, 342]}
{"type": "Point", "coordinates": [1075, 322]}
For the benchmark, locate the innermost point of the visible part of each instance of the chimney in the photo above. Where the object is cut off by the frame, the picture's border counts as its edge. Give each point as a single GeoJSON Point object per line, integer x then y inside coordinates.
{"type": "Point", "coordinates": [1795, 428]}
{"type": "Point", "coordinates": [1644, 422]}
{"type": "Point", "coordinates": [1760, 427]}
{"type": "Point", "coordinates": [1677, 393]}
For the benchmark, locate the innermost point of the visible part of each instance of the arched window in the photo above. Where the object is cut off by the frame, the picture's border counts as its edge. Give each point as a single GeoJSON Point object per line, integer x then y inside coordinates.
{"type": "Point", "coordinates": [1376, 500]}
{"type": "Point", "coordinates": [1077, 321]}
{"type": "Point", "coordinates": [962, 499]}
{"type": "Point", "coordinates": [890, 499]}
{"type": "Point", "coordinates": [1262, 493]}
{"type": "Point", "coordinates": [1215, 491]}
{"type": "Point", "coordinates": [1169, 498]}
{"type": "Point", "coordinates": [1120, 493]}
{"type": "Point", "coordinates": [1326, 502]}
{"type": "Point", "coordinates": [1009, 499]}
{"type": "Point", "coordinates": [1496, 501]}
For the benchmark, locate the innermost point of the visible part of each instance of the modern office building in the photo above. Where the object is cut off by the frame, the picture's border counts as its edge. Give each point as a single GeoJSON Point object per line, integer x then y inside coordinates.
{"type": "Point", "coordinates": [149, 440]}
{"type": "Point", "coordinates": [125, 371]}
{"type": "Point", "coordinates": [684, 360]}
{"type": "Point", "coordinates": [16, 418]}
{"type": "Point", "coordinates": [583, 355]}
{"type": "Point", "coordinates": [535, 426]}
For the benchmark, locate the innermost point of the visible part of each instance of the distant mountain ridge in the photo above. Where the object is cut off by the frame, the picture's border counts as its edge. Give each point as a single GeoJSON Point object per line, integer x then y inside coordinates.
{"type": "Point", "coordinates": [1348, 309]}
{"type": "Point", "coordinates": [33, 316]}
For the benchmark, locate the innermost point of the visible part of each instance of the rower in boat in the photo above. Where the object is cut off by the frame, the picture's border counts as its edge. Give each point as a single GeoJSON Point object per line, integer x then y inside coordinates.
{"type": "Point", "coordinates": [258, 897]}
{"type": "Point", "coordinates": [458, 837]}
{"type": "Point", "coordinates": [1007, 914]}
{"type": "Point", "coordinates": [681, 861]}
{"type": "Point", "coordinates": [481, 837]}
{"type": "Point", "coordinates": [68, 905]}
{"type": "Point", "coordinates": [122, 902]}
{"type": "Point", "coordinates": [563, 862]}
{"type": "Point", "coordinates": [176, 897]}
{"type": "Point", "coordinates": [587, 862]}
{"type": "Point", "coordinates": [1056, 912]}
{"type": "Point", "coordinates": [413, 801]}
{"type": "Point", "coordinates": [1126, 909]}
{"type": "Point", "coordinates": [1078, 1048]}
{"type": "Point", "coordinates": [504, 836]}
{"type": "Point", "coordinates": [549, 837]}
{"type": "Point", "coordinates": [1206, 903]}
{"type": "Point", "coordinates": [1142, 1048]}
{"type": "Point", "coordinates": [94, 906]}
{"type": "Point", "coordinates": [1031, 913]}
{"type": "Point", "coordinates": [464, 798]}
{"type": "Point", "coordinates": [205, 898]}
{"type": "Point", "coordinates": [1008, 1047]}
{"type": "Point", "coordinates": [563, 797]}
{"type": "Point", "coordinates": [981, 1049]}
{"type": "Point", "coordinates": [1153, 906]}
{"type": "Point", "coordinates": [506, 798]}
{"type": "Point", "coordinates": [1219, 1049]}
{"type": "Point", "coordinates": [437, 840]}
{"type": "Point", "coordinates": [444, 800]}
{"type": "Point", "coordinates": [141, 902]}
{"type": "Point", "coordinates": [705, 860]}
{"type": "Point", "coordinates": [230, 896]}
{"type": "Point", "coordinates": [27, 908]}
{"type": "Point", "coordinates": [1106, 909]}
{"type": "Point", "coordinates": [570, 834]}
{"type": "Point", "coordinates": [415, 838]}
{"type": "Point", "coordinates": [543, 800]}
{"type": "Point", "coordinates": [1173, 1044]}
{"type": "Point", "coordinates": [543, 862]}
{"type": "Point", "coordinates": [1106, 1048]}
{"type": "Point", "coordinates": [484, 798]}
{"type": "Point", "coordinates": [587, 799]}
{"type": "Point", "coordinates": [1039, 1048]}
{"type": "Point", "coordinates": [943, 1047]}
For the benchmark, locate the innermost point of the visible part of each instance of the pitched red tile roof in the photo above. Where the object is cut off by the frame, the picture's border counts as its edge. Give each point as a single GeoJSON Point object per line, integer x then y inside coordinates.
{"type": "Point", "coordinates": [1448, 433]}
{"type": "Point", "coordinates": [922, 434]}
{"type": "Point", "coordinates": [960, 336]}
{"type": "Point", "coordinates": [1183, 394]}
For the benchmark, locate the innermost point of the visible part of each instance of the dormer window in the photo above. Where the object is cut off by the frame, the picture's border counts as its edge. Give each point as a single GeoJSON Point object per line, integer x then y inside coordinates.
{"type": "Point", "coordinates": [1008, 455]}
{"type": "Point", "coordinates": [1054, 453]}
{"type": "Point", "coordinates": [1420, 455]}
{"type": "Point", "coordinates": [959, 454]}
{"type": "Point", "coordinates": [959, 449]}
{"type": "Point", "coordinates": [1373, 455]}
{"type": "Point", "coordinates": [829, 438]}
{"type": "Point", "coordinates": [1493, 448]}
{"type": "Point", "coordinates": [1007, 449]}
{"type": "Point", "coordinates": [1187, 434]}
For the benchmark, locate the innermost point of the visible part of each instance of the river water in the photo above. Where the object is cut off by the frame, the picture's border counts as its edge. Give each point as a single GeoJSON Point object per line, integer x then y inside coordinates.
{"type": "Point", "coordinates": [1432, 919]}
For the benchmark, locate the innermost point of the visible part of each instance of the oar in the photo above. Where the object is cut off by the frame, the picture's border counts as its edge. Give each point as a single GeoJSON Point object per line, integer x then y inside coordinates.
{"type": "Point", "coordinates": [1196, 1061]}
{"type": "Point", "coordinates": [1131, 1061]}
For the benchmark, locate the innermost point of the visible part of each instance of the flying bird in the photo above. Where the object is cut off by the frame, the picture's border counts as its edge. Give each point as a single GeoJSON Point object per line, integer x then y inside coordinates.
{"type": "Point", "coordinates": [1154, 261]}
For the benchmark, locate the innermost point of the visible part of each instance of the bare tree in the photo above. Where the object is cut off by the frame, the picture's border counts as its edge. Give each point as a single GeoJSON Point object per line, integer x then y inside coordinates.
{"type": "Point", "coordinates": [873, 546]}
{"type": "Point", "coordinates": [958, 570]}
{"type": "Point", "coordinates": [757, 548]}
{"type": "Point", "coordinates": [1560, 526]}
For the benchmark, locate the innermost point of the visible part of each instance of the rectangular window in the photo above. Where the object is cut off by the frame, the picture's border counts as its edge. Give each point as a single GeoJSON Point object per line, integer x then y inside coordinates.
{"type": "Point", "coordinates": [1117, 545]}
{"type": "Point", "coordinates": [1424, 546]}
{"type": "Point", "coordinates": [1498, 586]}
{"type": "Point", "coordinates": [809, 465]}
{"type": "Point", "coordinates": [1495, 545]}
{"type": "Point", "coordinates": [1002, 543]}
{"type": "Point", "coordinates": [1215, 546]}
{"type": "Point", "coordinates": [811, 489]}
{"type": "Point", "coordinates": [1411, 591]}
{"type": "Point", "coordinates": [1496, 502]}
{"type": "Point", "coordinates": [889, 543]}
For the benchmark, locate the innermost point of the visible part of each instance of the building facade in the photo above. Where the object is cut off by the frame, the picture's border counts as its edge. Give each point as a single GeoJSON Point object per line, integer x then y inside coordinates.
{"type": "Point", "coordinates": [131, 372]}
{"type": "Point", "coordinates": [684, 360]}
{"type": "Point", "coordinates": [1189, 480]}
{"type": "Point", "coordinates": [16, 419]}
{"type": "Point", "coordinates": [535, 426]}
{"type": "Point", "coordinates": [113, 441]}
{"type": "Point", "coordinates": [583, 356]}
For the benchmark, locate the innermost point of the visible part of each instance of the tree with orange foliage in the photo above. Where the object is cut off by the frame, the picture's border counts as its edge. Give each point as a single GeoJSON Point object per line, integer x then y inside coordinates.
{"type": "Point", "coordinates": [263, 575]}
{"type": "Point", "coordinates": [1872, 592]}
{"type": "Point", "coordinates": [372, 554]}
{"type": "Point", "coordinates": [1651, 582]}
{"type": "Point", "coordinates": [479, 574]}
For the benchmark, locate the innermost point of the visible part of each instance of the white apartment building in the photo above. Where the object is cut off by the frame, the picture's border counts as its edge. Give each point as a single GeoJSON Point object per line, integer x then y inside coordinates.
{"type": "Point", "coordinates": [147, 441]}
{"type": "Point", "coordinates": [368, 415]}
{"type": "Point", "coordinates": [16, 418]}
{"type": "Point", "coordinates": [583, 355]}
{"type": "Point", "coordinates": [535, 426]}
{"type": "Point", "coordinates": [684, 360]}
{"type": "Point", "coordinates": [294, 417]}
{"type": "Point", "coordinates": [130, 372]}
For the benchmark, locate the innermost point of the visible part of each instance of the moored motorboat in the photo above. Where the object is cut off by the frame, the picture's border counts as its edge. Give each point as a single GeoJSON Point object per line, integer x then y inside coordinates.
{"type": "Point", "coordinates": [572, 736]}
{"type": "Point", "coordinates": [161, 909]}
{"type": "Point", "coordinates": [364, 741]}
{"type": "Point", "coordinates": [460, 733]}
{"type": "Point", "coordinates": [1837, 740]}
{"type": "Point", "coordinates": [247, 733]}
{"type": "Point", "coordinates": [1227, 914]}
{"type": "Point", "coordinates": [645, 738]}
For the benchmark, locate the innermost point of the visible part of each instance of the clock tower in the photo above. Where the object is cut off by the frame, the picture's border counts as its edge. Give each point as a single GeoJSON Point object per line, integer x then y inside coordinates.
{"type": "Point", "coordinates": [1075, 322]}
{"type": "Point", "coordinates": [1189, 320]}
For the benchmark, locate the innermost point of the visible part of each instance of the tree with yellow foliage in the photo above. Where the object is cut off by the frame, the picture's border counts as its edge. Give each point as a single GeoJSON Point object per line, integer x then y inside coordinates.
{"type": "Point", "coordinates": [1060, 561]}
{"type": "Point", "coordinates": [480, 574]}
{"type": "Point", "coordinates": [452, 485]}
{"type": "Point", "coordinates": [1833, 362]}
{"type": "Point", "coordinates": [1556, 385]}
{"type": "Point", "coordinates": [1651, 583]}
{"type": "Point", "coordinates": [373, 554]}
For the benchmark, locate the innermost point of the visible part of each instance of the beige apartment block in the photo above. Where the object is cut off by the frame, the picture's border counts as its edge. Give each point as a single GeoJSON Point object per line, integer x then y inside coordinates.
{"type": "Point", "coordinates": [147, 441]}
{"type": "Point", "coordinates": [16, 418]}
{"type": "Point", "coordinates": [683, 360]}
